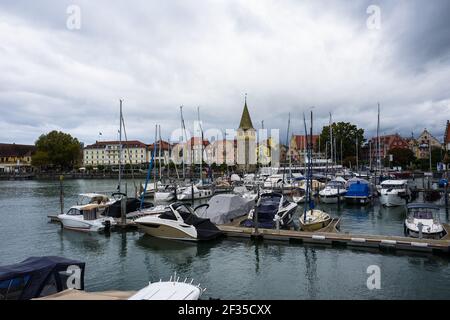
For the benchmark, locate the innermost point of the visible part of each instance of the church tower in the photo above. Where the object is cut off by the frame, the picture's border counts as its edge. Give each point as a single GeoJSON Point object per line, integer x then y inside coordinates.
{"type": "Point", "coordinates": [246, 142]}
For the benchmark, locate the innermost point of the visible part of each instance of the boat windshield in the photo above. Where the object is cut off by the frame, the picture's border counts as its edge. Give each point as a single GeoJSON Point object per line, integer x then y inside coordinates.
{"type": "Point", "coordinates": [269, 203]}
{"type": "Point", "coordinates": [91, 199]}
{"type": "Point", "coordinates": [74, 212]}
{"type": "Point", "coordinates": [393, 186]}
{"type": "Point", "coordinates": [423, 213]}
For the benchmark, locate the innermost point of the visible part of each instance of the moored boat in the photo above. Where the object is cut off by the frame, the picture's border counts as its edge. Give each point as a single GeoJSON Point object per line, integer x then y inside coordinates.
{"type": "Point", "coordinates": [423, 220]}
{"type": "Point", "coordinates": [178, 222]}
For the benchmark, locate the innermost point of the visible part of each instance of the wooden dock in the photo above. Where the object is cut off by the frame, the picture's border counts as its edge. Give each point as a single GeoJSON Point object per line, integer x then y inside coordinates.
{"type": "Point", "coordinates": [331, 236]}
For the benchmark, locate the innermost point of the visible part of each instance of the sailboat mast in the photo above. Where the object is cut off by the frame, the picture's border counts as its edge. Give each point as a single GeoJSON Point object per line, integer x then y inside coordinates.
{"type": "Point", "coordinates": [201, 144]}
{"type": "Point", "coordinates": [331, 141]}
{"type": "Point", "coordinates": [159, 152]}
{"type": "Point", "coordinates": [184, 153]}
{"type": "Point", "coordinates": [378, 141]}
{"type": "Point", "coordinates": [120, 149]}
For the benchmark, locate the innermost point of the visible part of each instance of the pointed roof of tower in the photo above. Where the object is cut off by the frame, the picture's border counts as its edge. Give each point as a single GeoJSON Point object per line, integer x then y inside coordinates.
{"type": "Point", "coordinates": [246, 121]}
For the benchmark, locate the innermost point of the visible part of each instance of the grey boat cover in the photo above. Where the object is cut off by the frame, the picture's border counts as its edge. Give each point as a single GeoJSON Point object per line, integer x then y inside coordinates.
{"type": "Point", "coordinates": [223, 208]}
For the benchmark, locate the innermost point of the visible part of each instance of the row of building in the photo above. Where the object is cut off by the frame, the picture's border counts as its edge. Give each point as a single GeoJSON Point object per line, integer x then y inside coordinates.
{"type": "Point", "coordinates": [243, 150]}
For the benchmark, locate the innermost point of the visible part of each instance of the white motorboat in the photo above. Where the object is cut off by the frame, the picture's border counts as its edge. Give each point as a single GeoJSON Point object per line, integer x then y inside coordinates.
{"type": "Point", "coordinates": [394, 193]}
{"type": "Point", "coordinates": [165, 194]}
{"type": "Point", "coordinates": [334, 190]}
{"type": "Point", "coordinates": [170, 290]}
{"type": "Point", "coordinates": [193, 192]}
{"type": "Point", "coordinates": [273, 210]}
{"type": "Point", "coordinates": [151, 189]}
{"type": "Point", "coordinates": [245, 193]}
{"type": "Point", "coordinates": [86, 218]}
{"type": "Point", "coordinates": [95, 198]}
{"type": "Point", "coordinates": [423, 220]}
{"type": "Point", "coordinates": [178, 222]}
{"type": "Point", "coordinates": [314, 220]}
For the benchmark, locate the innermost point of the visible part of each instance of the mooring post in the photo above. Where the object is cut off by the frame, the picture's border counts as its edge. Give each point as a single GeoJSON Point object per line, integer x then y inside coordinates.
{"type": "Point", "coordinates": [446, 197]}
{"type": "Point", "coordinates": [123, 210]}
{"type": "Point", "coordinates": [339, 198]}
{"type": "Point", "coordinates": [420, 226]}
{"type": "Point", "coordinates": [61, 193]}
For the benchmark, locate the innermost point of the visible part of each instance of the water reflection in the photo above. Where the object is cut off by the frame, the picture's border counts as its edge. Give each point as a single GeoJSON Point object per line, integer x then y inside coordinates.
{"type": "Point", "coordinates": [311, 271]}
{"type": "Point", "coordinates": [90, 241]}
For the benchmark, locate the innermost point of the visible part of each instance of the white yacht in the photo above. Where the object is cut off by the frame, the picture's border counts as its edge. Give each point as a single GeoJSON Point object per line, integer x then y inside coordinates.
{"type": "Point", "coordinates": [165, 194]}
{"type": "Point", "coordinates": [187, 193]}
{"type": "Point", "coordinates": [170, 290]}
{"type": "Point", "coordinates": [423, 218]}
{"type": "Point", "coordinates": [86, 218]}
{"type": "Point", "coordinates": [178, 222]}
{"type": "Point", "coordinates": [394, 192]}
{"type": "Point", "coordinates": [334, 190]}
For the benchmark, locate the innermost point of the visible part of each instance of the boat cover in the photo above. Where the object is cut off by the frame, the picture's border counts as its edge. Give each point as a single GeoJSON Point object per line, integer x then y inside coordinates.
{"type": "Point", "coordinates": [223, 208]}
{"type": "Point", "coordinates": [133, 205]}
{"type": "Point", "coordinates": [358, 189]}
{"type": "Point", "coordinates": [36, 276]}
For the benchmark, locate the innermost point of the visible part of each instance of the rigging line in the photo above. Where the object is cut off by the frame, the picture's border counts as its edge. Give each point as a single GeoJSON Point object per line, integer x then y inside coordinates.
{"type": "Point", "coordinates": [128, 151]}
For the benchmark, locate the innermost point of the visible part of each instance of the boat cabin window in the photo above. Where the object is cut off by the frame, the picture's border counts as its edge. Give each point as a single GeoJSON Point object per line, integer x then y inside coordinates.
{"type": "Point", "coordinates": [168, 215]}
{"type": "Point", "coordinates": [184, 211]}
{"type": "Point", "coordinates": [393, 186]}
{"type": "Point", "coordinates": [74, 212]}
{"type": "Point", "coordinates": [422, 214]}
{"type": "Point", "coordinates": [269, 203]}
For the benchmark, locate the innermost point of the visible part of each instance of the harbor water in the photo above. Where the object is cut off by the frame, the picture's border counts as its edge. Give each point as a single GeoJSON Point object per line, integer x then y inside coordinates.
{"type": "Point", "coordinates": [228, 269]}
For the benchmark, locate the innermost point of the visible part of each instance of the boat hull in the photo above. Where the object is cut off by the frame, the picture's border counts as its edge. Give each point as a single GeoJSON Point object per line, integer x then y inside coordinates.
{"type": "Point", "coordinates": [357, 200]}
{"type": "Point", "coordinates": [391, 200]}
{"type": "Point", "coordinates": [314, 226]}
{"type": "Point", "coordinates": [168, 232]}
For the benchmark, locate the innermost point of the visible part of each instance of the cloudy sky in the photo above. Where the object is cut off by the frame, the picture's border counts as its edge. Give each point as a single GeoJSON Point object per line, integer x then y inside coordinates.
{"type": "Point", "coordinates": [158, 55]}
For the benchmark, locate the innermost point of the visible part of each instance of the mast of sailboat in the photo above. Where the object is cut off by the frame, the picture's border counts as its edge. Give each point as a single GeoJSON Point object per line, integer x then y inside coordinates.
{"type": "Point", "coordinates": [311, 206]}
{"type": "Point", "coordinates": [120, 149]}
{"type": "Point", "coordinates": [287, 141]}
{"type": "Point", "coordinates": [201, 144]}
{"type": "Point", "coordinates": [159, 153]}
{"type": "Point", "coordinates": [331, 141]}
{"type": "Point", "coordinates": [357, 145]}
{"type": "Point", "coordinates": [378, 144]}
{"type": "Point", "coordinates": [306, 171]}
{"type": "Point", "coordinates": [154, 152]}
{"type": "Point", "coordinates": [185, 144]}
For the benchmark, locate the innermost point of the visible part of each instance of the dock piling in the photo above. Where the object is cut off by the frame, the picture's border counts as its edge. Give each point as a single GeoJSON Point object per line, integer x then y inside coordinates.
{"type": "Point", "coordinates": [123, 210]}
{"type": "Point", "coordinates": [61, 193]}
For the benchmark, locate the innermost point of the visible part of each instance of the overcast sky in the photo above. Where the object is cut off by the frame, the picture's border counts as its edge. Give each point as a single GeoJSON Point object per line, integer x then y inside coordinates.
{"type": "Point", "coordinates": [158, 55]}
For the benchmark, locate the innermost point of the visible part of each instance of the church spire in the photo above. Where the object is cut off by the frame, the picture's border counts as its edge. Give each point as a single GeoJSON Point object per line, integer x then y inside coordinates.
{"type": "Point", "coordinates": [246, 121]}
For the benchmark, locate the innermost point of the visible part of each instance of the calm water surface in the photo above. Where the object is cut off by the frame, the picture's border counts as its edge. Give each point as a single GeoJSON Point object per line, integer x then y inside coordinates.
{"type": "Point", "coordinates": [229, 269]}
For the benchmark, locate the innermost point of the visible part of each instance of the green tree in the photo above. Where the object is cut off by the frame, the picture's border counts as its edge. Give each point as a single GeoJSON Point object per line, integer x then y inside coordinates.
{"type": "Point", "coordinates": [347, 133]}
{"type": "Point", "coordinates": [58, 150]}
{"type": "Point", "coordinates": [40, 159]}
{"type": "Point", "coordinates": [401, 157]}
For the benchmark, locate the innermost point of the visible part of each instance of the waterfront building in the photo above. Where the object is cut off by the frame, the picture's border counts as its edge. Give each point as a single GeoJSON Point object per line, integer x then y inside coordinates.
{"type": "Point", "coordinates": [163, 151]}
{"type": "Point", "coordinates": [221, 151]}
{"type": "Point", "coordinates": [298, 147]}
{"type": "Point", "coordinates": [15, 157]}
{"type": "Point", "coordinates": [106, 153]}
{"type": "Point", "coordinates": [426, 141]}
{"type": "Point", "coordinates": [387, 142]}
{"type": "Point", "coordinates": [246, 142]}
{"type": "Point", "coordinates": [447, 136]}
